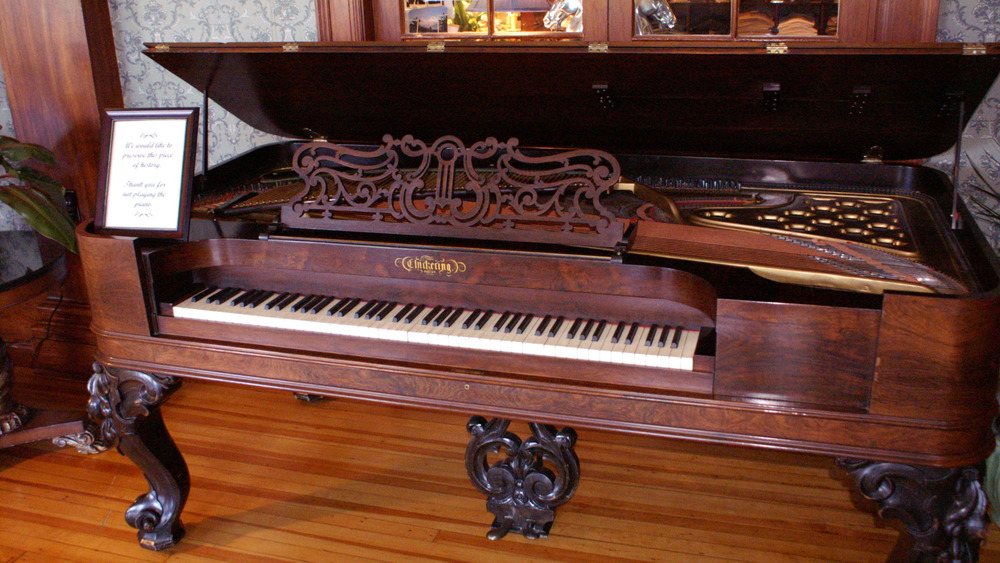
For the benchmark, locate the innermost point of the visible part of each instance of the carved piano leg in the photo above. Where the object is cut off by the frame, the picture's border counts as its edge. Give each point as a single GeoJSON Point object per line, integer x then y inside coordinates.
{"type": "Point", "coordinates": [533, 478]}
{"type": "Point", "coordinates": [943, 509]}
{"type": "Point", "coordinates": [126, 405]}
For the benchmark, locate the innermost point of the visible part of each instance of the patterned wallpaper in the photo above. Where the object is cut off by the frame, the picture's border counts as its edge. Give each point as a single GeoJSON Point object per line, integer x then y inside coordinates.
{"type": "Point", "coordinates": [972, 21]}
{"type": "Point", "coordinates": [146, 84]}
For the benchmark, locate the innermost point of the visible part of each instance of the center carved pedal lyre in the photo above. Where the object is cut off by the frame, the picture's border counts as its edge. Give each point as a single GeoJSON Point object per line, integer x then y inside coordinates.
{"type": "Point", "coordinates": [529, 481]}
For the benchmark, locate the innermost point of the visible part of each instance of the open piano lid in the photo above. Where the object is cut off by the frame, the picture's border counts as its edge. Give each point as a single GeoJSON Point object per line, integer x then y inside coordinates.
{"type": "Point", "coordinates": [733, 99]}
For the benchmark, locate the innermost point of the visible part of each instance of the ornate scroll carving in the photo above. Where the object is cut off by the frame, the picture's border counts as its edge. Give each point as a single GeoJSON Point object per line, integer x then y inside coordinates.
{"type": "Point", "coordinates": [490, 190]}
{"type": "Point", "coordinates": [12, 415]}
{"type": "Point", "coordinates": [943, 509]}
{"type": "Point", "coordinates": [125, 405]}
{"type": "Point", "coordinates": [526, 486]}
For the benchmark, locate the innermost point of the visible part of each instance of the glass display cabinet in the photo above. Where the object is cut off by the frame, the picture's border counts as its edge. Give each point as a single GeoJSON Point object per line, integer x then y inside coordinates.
{"type": "Point", "coordinates": [740, 19]}
{"type": "Point", "coordinates": [464, 18]}
{"type": "Point", "coordinates": [854, 21]}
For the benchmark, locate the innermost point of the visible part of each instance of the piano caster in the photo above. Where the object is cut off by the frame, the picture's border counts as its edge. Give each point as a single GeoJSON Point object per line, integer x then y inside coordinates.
{"type": "Point", "coordinates": [533, 478]}
{"type": "Point", "coordinates": [942, 509]}
{"type": "Point", "coordinates": [126, 406]}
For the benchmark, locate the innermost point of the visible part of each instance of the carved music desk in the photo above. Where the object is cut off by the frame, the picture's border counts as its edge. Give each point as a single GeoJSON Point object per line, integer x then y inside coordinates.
{"type": "Point", "coordinates": [708, 259]}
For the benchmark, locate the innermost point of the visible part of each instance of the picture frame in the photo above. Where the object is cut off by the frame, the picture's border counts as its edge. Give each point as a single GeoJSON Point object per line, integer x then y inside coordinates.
{"type": "Point", "coordinates": [146, 172]}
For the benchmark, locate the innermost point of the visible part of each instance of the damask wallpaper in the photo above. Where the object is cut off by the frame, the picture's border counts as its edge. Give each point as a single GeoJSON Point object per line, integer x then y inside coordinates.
{"type": "Point", "coordinates": [145, 84]}
{"type": "Point", "coordinates": [977, 21]}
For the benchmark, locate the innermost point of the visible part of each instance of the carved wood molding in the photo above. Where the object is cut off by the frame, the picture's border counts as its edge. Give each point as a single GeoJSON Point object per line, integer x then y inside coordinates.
{"type": "Point", "coordinates": [489, 190]}
{"type": "Point", "coordinates": [344, 20]}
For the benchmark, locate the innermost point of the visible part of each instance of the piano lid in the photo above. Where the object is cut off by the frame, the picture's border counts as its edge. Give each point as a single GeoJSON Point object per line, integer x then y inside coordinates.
{"type": "Point", "coordinates": [730, 99]}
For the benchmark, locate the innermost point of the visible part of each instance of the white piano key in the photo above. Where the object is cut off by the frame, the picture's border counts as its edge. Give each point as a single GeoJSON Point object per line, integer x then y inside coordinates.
{"type": "Point", "coordinates": [439, 325]}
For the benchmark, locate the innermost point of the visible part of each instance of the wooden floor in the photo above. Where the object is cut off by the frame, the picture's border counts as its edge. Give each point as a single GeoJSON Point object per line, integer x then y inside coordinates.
{"type": "Point", "coordinates": [276, 479]}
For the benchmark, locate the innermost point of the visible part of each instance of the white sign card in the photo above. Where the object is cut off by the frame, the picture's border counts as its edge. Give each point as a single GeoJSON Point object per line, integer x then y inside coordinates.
{"type": "Point", "coordinates": [149, 156]}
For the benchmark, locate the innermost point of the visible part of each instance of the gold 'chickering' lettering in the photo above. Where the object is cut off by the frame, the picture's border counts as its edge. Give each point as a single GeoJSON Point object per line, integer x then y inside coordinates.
{"type": "Point", "coordinates": [430, 265]}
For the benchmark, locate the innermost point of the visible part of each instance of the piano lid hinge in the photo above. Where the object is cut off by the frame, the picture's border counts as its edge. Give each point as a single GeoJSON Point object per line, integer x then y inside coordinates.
{"type": "Point", "coordinates": [597, 47]}
{"type": "Point", "coordinates": [776, 48]}
{"type": "Point", "coordinates": [161, 47]}
{"type": "Point", "coordinates": [974, 49]}
{"type": "Point", "coordinates": [435, 47]}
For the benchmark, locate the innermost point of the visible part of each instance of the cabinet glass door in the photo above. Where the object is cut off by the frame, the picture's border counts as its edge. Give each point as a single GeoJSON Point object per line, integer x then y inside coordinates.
{"type": "Point", "coordinates": [676, 17]}
{"type": "Point", "coordinates": [464, 18]}
{"type": "Point", "coordinates": [792, 18]}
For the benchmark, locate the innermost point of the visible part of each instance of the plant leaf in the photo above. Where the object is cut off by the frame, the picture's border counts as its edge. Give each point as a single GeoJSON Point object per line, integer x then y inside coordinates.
{"type": "Point", "coordinates": [42, 181]}
{"type": "Point", "coordinates": [40, 213]}
{"type": "Point", "coordinates": [19, 152]}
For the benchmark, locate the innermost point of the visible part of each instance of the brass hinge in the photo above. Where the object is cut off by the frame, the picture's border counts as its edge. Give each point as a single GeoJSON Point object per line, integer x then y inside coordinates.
{"type": "Point", "coordinates": [435, 47]}
{"type": "Point", "coordinates": [161, 48]}
{"type": "Point", "coordinates": [597, 47]}
{"type": "Point", "coordinates": [290, 47]}
{"type": "Point", "coordinates": [973, 49]}
{"type": "Point", "coordinates": [776, 48]}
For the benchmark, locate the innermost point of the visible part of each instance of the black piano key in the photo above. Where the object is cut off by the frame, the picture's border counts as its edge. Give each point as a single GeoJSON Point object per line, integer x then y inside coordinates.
{"type": "Point", "coordinates": [223, 295]}
{"type": "Point", "coordinates": [541, 326]}
{"type": "Point", "coordinates": [402, 313]}
{"type": "Point", "coordinates": [261, 297]}
{"type": "Point", "coordinates": [585, 332]}
{"type": "Point", "coordinates": [288, 300]}
{"type": "Point", "coordinates": [524, 323]}
{"type": "Point", "coordinates": [485, 318]}
{"type": "Point", "coordinates": [618, 332]}
{"type": "Point", "coordinates": [349, 306]}
{"type": "Point", "coordinates": [321, 304]}
{"type": "Point", "coordinates": [303, 303]}
{"type": "Point", "coordinates": [239, 299]}
{"type": "Point", "coordinates": [663, 337]}
{"type": "Point", "coordinates": [453, 317]}
{"type": "Point", "coordinates": [571, 334]}
{"type": "Point", "coordinates": [384, 310]}
{"type": "Point", "coordinates": [599, 331]}
{"type": "Point", "coordinates": [472, 318]}
{"type": "Point", "coordinates": [203, 294]}
{"type": "Point", "coordinates": [556, 326]}
{"type": "Point", "coordinates": [278, 299]}
{"type": "Point", "coordinates": [501, 322]}
{"type": "Point", "coordinates": [429, 317]}
{"type": "Point", "coordinates": [414, 314]}
{"type": "Point", "coordinates": [630, 338]}
{"type": "Point", "coordinates": [512, 323]}
{"type": "Point", "coordinates": [364, 310]}
{"type": "Point", "coordinates": [651, 335]}
{"type": "Point", "coordinates": [442, 316]}
{"type": "Point", "coordinates": [677, 337]}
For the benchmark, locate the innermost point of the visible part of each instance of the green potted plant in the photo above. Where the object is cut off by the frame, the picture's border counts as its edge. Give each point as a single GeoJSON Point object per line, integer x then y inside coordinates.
{"type": "Point", "coordinates": [33, 194]}
{"type": "Point", "coordinates": [39, 200]}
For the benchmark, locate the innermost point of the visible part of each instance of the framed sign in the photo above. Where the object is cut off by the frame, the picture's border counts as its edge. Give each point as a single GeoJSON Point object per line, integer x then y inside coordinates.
{"type": "Point", "coordinates": [147, 166]}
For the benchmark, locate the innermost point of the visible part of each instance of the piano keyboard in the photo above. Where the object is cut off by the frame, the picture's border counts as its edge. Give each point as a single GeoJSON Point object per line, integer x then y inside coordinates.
{"type": "Point", "coordinates": [616, 342]}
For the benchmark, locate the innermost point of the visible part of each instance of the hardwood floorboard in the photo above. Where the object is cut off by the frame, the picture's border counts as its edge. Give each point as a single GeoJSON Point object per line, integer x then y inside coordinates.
{"type": "Point", "coordinates": [276, 479]}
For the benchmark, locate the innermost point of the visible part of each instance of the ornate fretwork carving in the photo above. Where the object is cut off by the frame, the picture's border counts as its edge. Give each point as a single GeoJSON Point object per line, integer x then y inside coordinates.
{"type": "Point", "coordinates": [125, 405]}
{"type": "Point", "coordinates": [942, 508]}
{"type": "Point", "coordinates": [489, 190]}
{"type": "Point", "coordinates": [85, 442]}
{"type": "Point", "coordinates": [13, 415]}
{"type": "Point", "coordinates": [526, 485]}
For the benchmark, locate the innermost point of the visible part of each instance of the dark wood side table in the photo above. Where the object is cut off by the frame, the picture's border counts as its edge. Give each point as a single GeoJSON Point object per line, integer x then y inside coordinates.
{"type": "Point", "coordinates": [18, 423]}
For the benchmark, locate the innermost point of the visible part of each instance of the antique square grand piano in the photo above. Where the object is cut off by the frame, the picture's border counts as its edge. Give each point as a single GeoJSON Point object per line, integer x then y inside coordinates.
{"type": "Point", "coordinates": [706, 242]}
